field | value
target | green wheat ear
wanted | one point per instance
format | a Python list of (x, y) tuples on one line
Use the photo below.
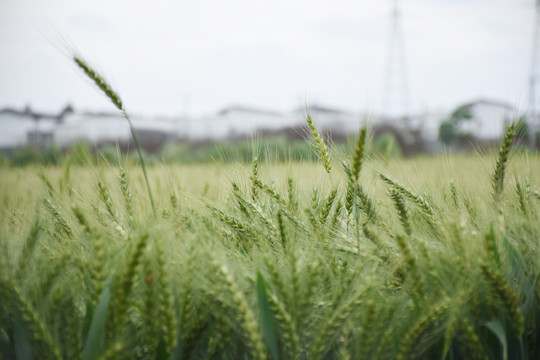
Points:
[(359, 154), (319, 143), (115, 98), (500, 168), (100, 82)]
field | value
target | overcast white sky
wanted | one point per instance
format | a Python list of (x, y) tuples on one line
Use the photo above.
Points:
[(177, 56)]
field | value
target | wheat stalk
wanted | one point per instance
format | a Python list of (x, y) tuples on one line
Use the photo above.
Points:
[(104, 86)]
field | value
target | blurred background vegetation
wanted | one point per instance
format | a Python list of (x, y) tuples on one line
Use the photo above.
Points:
[(272, 149)]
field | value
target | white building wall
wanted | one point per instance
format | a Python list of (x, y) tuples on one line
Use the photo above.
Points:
[(92, 129), (14, 129), (488, 121)]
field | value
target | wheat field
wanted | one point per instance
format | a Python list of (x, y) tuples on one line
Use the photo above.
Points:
[(420, 258), (358, 257)]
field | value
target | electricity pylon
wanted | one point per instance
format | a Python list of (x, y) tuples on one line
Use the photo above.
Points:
[(396, 87)]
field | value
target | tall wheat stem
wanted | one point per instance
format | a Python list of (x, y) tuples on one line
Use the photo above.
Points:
[(113, 96), (132, 129)]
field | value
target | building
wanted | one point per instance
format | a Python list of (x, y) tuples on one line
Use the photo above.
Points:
[(488, 119), (20, 128), (485, 121)]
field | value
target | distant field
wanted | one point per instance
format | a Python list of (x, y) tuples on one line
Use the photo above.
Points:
[(432, 174), (430, 258)]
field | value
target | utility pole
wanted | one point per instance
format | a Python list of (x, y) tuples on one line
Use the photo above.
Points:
[(534, 79), (396, 87), (186, 99)]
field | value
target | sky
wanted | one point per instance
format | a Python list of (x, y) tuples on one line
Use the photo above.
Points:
[(179, 57)]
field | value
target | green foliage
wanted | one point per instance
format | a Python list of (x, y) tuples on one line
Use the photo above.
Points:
[(267, 322), (461, 113), (109, 154), (387, 146), (449, 130), (272, 149), (81, 154), (276, 149), (94, 341), (50, 155)]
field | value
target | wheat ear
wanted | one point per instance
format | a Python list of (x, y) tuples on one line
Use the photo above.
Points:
[(359, 154), (412, 340), (115, 98), (509, 298), (401, 210), (319, 143), (498, 177)]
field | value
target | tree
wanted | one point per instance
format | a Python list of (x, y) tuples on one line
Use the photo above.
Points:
[(449, 130)]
